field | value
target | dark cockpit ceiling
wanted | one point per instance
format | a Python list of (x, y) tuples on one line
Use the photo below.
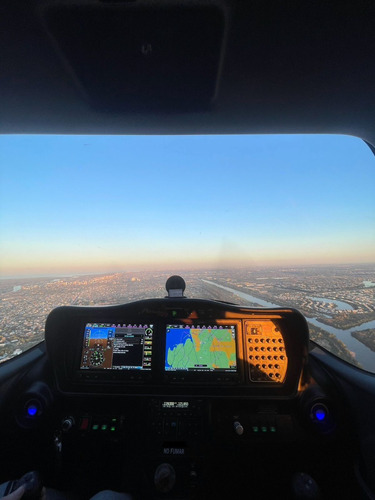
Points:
[(275, 67)]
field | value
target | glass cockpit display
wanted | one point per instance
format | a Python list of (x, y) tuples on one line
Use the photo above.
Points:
[(117, 346), (201, 348)]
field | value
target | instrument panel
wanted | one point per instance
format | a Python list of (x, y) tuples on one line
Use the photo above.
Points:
[(190, 383), (173, 346)]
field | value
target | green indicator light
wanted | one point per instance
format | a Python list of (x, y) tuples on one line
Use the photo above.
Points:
[(255, 428), (104, 427), (174, 313), (273, 429), (113, 429), (95, 427), (264, 429), (114, 419)]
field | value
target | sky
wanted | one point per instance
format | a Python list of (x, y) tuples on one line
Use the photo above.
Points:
[(76, 204)]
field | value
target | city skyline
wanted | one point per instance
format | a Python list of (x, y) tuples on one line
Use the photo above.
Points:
[(93, 204)]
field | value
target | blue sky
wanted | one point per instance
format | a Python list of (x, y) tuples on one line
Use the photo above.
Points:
[(101, 204)]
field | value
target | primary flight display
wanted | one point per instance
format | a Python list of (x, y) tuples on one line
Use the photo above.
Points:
[(118, 346)]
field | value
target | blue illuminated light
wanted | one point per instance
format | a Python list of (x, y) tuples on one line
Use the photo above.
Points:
[(320, 414), (32, 410)]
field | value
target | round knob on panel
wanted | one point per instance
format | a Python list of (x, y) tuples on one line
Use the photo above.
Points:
[(304, 487), (164, 478), (67, 424), (238, 429)]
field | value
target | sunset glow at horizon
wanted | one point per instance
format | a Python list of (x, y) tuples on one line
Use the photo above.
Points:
[(104, 204)]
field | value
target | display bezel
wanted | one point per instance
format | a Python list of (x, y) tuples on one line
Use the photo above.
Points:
[(206, 375), (87, 349), (107, 375)]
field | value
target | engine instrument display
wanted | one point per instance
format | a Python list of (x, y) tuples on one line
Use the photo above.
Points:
[(201, 348), (117, 347)]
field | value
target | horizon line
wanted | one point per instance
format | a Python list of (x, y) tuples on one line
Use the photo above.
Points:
[(225, 268)]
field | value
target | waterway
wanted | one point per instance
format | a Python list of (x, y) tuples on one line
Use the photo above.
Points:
[(16, 288), (246, 296), (343, 306), (363, 354)]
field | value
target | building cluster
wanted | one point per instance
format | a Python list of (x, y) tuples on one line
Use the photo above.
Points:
[(318, 292)]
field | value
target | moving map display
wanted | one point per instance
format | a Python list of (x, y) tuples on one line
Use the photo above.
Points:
[(200, 348)]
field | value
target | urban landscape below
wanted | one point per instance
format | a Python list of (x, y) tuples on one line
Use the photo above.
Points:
[(337, 301)]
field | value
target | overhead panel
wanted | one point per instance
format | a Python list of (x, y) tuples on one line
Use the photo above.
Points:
[(128, 59)]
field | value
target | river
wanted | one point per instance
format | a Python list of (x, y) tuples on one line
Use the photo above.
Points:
[(364, 355)]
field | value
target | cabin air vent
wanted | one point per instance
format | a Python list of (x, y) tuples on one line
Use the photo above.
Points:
[(318, 411), (33, 404)]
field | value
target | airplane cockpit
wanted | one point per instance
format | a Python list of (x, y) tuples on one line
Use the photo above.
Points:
[(181, 396)]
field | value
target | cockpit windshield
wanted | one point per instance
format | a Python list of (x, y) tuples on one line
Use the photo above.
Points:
[(261, 221)]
